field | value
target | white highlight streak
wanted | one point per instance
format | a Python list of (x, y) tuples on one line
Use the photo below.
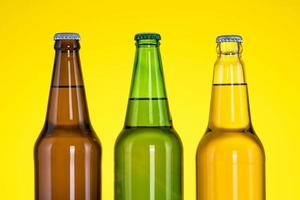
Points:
[(72, 172), (152, 172), (87, 172), (235, 193), (70, 89)]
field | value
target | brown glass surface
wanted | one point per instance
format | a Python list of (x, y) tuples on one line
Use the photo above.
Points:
[(67, 153)]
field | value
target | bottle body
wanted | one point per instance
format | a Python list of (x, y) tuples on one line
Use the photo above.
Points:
[(230, 165), (67, 163), (148, 164), (67, 153), (148, 151), (230, 160)]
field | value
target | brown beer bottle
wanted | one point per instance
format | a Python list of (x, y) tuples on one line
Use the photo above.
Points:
[(67, 153)]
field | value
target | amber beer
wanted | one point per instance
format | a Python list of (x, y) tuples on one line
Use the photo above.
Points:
[(67, 153)]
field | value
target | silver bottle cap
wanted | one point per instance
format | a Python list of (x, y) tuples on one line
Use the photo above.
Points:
[(229, 38), (66, 36)]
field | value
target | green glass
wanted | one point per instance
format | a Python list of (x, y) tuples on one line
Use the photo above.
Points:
[(148, 151)]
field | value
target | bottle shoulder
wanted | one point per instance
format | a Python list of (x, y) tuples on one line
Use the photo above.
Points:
[(227, 143), (67, 136), (148, 136)]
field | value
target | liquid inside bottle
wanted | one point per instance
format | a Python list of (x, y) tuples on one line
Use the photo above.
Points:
[(148, 151), (230, 156), (67, 153)]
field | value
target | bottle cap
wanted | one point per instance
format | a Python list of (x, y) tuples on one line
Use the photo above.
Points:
[(145, 36), (66, 36), (229, 38)]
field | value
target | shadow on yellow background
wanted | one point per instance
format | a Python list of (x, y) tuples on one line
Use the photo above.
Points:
[(271, 40)]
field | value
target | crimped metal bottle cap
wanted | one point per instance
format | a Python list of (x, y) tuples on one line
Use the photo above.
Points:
[(66, 36), (145, 36), (229, 38)]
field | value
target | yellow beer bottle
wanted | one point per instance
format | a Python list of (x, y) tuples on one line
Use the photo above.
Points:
[(230, 157)]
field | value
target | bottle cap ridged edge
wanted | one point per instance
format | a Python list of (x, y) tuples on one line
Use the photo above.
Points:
[(229, 38), (66, 36), (145, 36)]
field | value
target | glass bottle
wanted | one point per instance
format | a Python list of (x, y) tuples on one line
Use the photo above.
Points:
[(230, 157), (148, 151), (67, 153)]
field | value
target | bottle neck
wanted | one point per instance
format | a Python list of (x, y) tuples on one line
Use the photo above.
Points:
[(229, 101), (67, 102), (148, 104)]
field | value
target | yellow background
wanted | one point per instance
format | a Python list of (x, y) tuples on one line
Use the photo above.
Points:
[(271, 52)]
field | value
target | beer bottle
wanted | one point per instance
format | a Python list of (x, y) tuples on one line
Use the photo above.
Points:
[(67, 153), (230, 156), (148, 152)]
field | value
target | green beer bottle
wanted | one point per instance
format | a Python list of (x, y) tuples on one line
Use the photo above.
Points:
[(148, 151)]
